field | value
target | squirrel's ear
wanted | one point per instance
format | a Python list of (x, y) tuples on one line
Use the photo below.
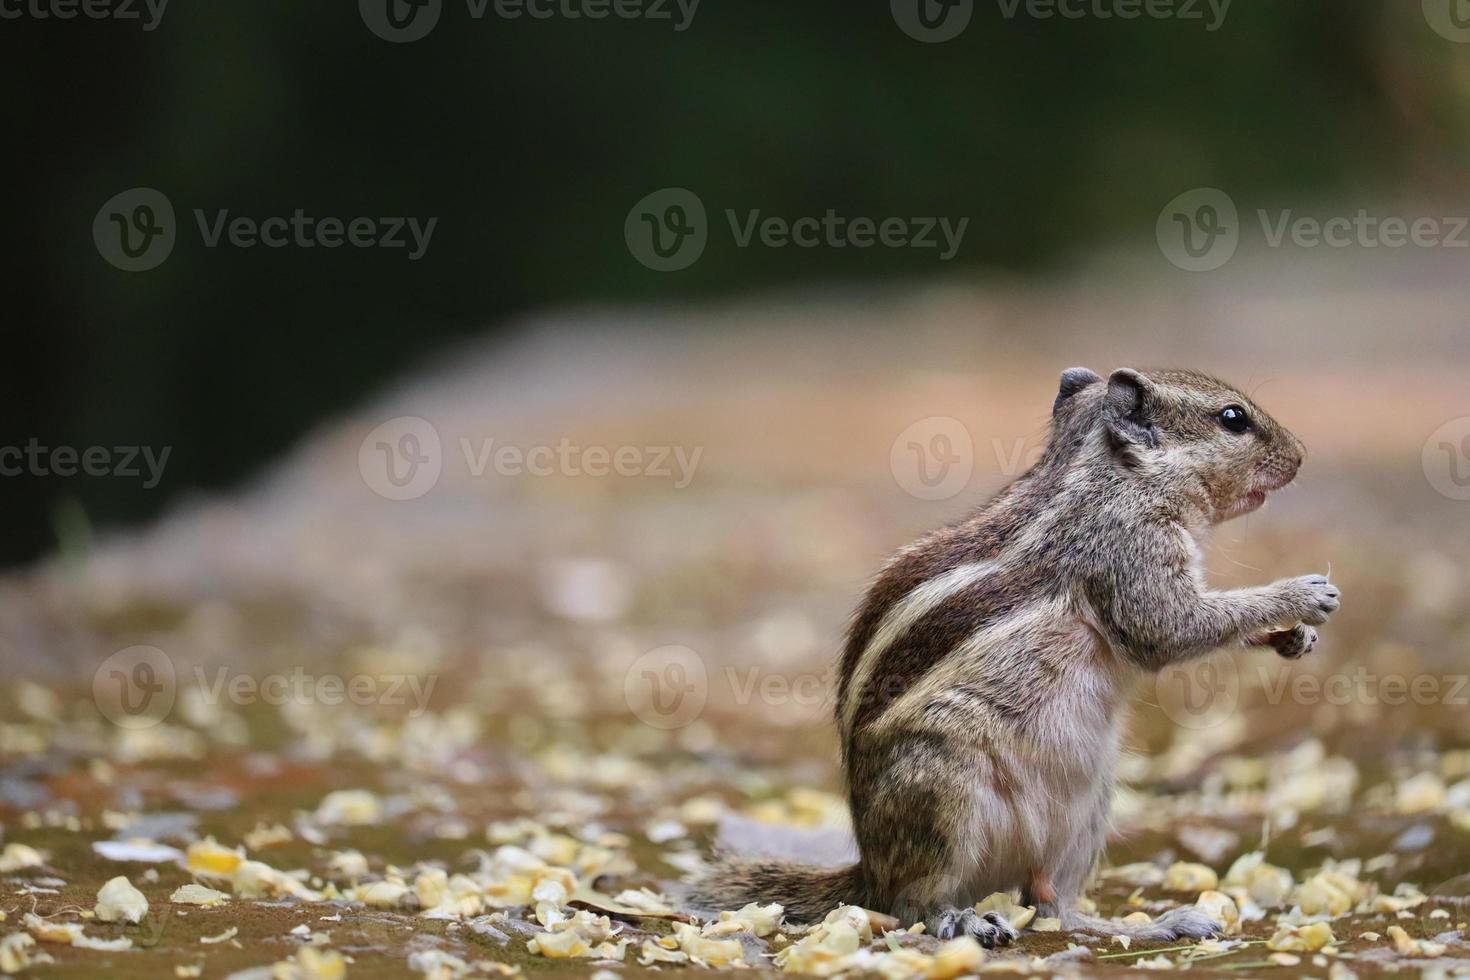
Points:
[(1073, 381), (1127, 407)]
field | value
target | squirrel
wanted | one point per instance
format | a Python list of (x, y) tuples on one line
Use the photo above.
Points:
[(983, 686)]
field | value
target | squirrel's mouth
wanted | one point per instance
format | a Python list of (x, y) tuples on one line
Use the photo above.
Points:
[(1250, 501), (1256, 496), (1245, 504)]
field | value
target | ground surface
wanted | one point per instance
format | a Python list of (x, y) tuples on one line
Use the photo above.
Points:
[(525, 725)]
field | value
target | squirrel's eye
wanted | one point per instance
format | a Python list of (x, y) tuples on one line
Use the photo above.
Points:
[(1234, 419)]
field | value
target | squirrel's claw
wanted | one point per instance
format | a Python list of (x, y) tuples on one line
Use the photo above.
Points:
[(989, 930)]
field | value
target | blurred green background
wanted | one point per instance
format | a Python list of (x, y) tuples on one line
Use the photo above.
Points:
[(529, 140)]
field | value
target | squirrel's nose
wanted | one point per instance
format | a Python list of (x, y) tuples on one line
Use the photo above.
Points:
[(1298, 454), (1292, 456)]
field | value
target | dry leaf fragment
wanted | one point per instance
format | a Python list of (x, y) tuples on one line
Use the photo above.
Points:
[(17, 857), (262, 836), (1423, 793), (1406, 945), (651, 953), (310, 963), (209, 858), (17, 953), (1267, 884), (711, 952), (1019, 916), (1222, 909), (137, 850), (348, 864), (350, 808), (119, 901), (1301, 939), (193, 894), (47, 931), (761, 920), (103, 945), (382, 894), (1185, 876)]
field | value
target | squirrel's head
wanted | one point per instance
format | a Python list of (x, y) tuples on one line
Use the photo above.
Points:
[(1188, 431)]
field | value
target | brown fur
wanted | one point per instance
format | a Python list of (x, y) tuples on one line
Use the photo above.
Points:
[(985, 673)]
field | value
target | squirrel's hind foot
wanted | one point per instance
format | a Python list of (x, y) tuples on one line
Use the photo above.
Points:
[(989, 930)]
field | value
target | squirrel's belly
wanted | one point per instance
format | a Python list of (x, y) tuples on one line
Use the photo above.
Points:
[(1027, 824), (1037, 676)]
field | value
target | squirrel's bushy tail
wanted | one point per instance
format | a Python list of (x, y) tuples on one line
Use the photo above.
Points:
[(806, 891)]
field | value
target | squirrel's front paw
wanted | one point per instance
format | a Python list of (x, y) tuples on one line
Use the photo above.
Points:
[(1311, 598), (1293, 643)]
